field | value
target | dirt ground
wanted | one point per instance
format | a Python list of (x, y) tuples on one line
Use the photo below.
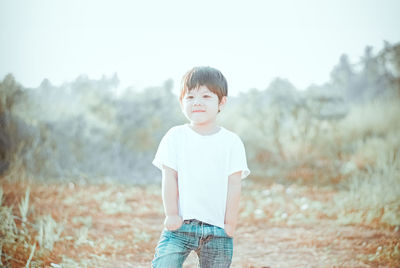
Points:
[(119, 226)]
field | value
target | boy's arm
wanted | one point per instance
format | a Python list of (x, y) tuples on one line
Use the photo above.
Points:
[(232, 202), (170, 195)]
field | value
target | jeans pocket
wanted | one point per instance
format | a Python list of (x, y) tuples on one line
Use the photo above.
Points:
[(227, 234), (223, 232)]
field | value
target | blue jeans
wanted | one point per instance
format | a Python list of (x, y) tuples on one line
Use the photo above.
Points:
[(212, 245)]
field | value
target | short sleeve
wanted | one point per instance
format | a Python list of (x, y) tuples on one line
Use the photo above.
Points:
[(237, 158), (166, 153)]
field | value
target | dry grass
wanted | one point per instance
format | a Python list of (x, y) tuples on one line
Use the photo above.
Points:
[(74, 226), (373, 194)]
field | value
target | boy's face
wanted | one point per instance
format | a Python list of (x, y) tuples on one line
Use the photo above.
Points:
[(200, 105)]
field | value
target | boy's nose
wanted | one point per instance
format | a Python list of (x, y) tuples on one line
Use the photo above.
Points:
[(196, 101)]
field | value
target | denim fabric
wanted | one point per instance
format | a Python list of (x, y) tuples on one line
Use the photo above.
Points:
[(212, 245)]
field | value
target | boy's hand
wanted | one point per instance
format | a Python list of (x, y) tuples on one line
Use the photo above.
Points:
[(173, 222), (229, 229)]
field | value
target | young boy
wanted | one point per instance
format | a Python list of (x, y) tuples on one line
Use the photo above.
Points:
[(202, 166)]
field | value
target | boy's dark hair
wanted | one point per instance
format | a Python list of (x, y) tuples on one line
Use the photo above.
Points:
[(207, 76)]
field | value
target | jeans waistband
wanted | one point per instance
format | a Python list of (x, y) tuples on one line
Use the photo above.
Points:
[(196, 221)]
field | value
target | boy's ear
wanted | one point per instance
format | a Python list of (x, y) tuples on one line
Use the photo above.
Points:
[(222, 103)]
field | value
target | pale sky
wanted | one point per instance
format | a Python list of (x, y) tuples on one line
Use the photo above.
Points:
[(147, 42)]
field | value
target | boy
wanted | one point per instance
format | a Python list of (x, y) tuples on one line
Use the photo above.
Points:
[(202, 166)]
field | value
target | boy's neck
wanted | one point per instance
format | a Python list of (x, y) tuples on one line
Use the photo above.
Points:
[(207, 129)]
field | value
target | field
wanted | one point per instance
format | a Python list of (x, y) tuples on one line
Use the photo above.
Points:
[(323, 191), (111, 225)]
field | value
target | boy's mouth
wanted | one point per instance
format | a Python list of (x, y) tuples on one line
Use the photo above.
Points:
[(198, 111)]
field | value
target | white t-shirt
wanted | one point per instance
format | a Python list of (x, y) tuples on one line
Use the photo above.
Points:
[(203, 164)]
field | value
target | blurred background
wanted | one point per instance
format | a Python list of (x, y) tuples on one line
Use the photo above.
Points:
[(88, 89)]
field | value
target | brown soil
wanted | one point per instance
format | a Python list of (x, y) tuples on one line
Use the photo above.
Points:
[(123, 225)]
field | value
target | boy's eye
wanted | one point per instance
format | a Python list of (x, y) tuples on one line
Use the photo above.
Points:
[(206, 96), (189, 97)]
